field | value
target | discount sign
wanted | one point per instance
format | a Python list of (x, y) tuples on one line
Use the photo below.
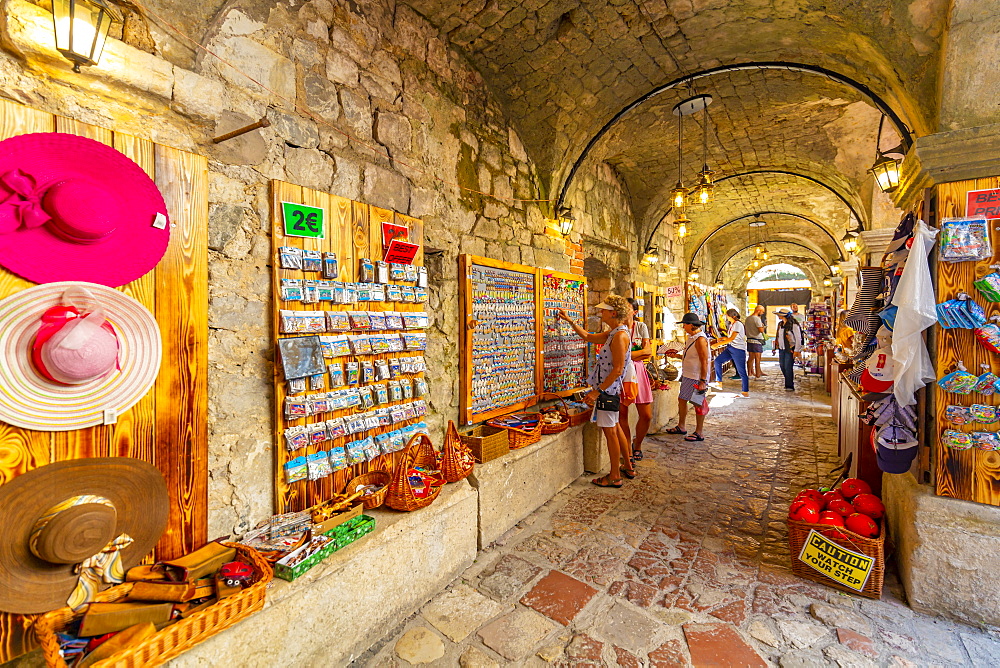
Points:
[(302, 221)]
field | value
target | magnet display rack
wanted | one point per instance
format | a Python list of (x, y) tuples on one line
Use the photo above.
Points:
[(353, 231), (501, 343), (564, 353)]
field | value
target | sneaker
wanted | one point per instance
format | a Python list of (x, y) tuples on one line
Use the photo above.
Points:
[(789, 389)]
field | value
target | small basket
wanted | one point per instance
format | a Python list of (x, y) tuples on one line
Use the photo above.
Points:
[(487, 442), (562, 409), (520, 438), (371, 478), (418, 452), (579, 417), (798, 532), (174, 639), (456, 460)]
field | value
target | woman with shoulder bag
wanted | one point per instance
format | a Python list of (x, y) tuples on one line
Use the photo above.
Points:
[(606, 379), (643, 396)]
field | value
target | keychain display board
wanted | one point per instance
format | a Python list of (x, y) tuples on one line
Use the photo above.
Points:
[(354, 349), (501, 342), (972, 475), (168, 426), (564, 353)]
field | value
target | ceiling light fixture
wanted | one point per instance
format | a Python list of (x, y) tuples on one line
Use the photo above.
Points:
[(757, 222), (827, 281), (651, 256), (886, 169), (850, 239), (81, 28), (703, 191), (679, 195), (682, 222)]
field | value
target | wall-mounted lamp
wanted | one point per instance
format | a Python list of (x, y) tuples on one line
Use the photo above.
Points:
[(835, 268), (81, 28), (719, 285), (651, 256), (566, 221), (694, 275), (850, 240), (886, 169), (827, 281)]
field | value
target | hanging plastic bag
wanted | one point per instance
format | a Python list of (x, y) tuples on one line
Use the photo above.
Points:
[(965, 239), (630, 385)]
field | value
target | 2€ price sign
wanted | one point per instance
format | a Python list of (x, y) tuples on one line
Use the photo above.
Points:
[(302, 220), (849, 568)]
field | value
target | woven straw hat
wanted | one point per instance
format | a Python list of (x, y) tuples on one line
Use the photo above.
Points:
[(101, 498), (74, 209), (31, 400)]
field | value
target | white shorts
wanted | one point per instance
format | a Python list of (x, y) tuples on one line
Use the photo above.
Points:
[(606, 418)]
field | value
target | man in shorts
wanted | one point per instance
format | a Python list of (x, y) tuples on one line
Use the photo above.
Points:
[(755, 328)]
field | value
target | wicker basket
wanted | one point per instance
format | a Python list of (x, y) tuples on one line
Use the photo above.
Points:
[(418, 452), (562, 409), (487, 442), (174, 639), (798, 532), (371, 478), (520, 438), (456, 460)]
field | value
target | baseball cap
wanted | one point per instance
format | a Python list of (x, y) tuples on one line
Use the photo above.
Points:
[(879, 371), (896, 447)]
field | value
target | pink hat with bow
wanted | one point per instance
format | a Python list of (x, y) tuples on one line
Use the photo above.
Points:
[(74, 209)]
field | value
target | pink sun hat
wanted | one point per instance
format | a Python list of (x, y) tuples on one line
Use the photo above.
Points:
[(74, 209)]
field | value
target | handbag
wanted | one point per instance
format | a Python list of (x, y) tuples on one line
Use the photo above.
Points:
[(630, 384), (608, 402)]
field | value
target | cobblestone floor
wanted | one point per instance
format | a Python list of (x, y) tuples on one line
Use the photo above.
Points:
[(685, 565)]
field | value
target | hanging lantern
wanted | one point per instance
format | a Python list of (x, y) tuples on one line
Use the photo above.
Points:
[(678, 196), (719, 285), (694, 275), (886, 171), (681, 224), (81, 28), (749, 273), (703, 191), (827, 282), (850, 240), (566, 221), (651, 256)]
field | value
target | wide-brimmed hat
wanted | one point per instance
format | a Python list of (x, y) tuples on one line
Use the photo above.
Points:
[(101, 369), (692, 318), (105, 512), (74, 209)]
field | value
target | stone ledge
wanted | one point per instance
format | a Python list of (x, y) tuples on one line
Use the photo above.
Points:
[(513, 486), (357, 595), (948, 551)]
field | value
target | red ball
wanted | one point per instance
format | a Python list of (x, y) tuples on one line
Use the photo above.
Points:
[(870, 505), (831, 518), (832, 495), (851, 487), (811, 494), (841, 507), (862, 525), (804, 510)]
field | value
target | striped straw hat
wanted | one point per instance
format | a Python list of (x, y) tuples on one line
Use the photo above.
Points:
[(33, 400)]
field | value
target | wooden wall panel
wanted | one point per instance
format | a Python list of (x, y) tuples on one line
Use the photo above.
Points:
[(973, 475), (167, 427)]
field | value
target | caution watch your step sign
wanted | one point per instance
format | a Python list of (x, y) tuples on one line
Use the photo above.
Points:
[(847, 567)]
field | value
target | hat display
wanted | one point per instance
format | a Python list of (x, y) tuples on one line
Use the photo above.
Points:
[(69, 525), (878, 374), (896, 447), (692, 318), (74, 355), (74, 209)]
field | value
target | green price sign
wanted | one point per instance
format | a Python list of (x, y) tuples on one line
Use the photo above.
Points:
[(302, 221)]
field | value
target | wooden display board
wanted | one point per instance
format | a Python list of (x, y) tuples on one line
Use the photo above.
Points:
[(499, 320), (973, 475), (353, 231), (564, 353), (167, 427)]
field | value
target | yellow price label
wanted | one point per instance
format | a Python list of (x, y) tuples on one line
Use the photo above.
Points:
[(849, 568)]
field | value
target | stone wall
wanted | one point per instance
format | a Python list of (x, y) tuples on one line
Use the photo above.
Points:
[(369, 104)]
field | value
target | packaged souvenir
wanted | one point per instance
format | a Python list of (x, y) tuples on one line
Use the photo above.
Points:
[(367, 399), (965, 239), (986, 381), (337, 400), (377, 292), (379, 344), (420, 295), (377, 320), (326, 343), (393, 320), (384, 417), (312, 260), (337, 321), (419, 387), (366, 271), (371, 420), (419, 364), (408, 432), (986, 440), (393, 293), (407, 390), (336, 427), (296, 407), (289, 257), (414, 340), (318, 433), (353, 396), (338, 458), (331, 269), (319, 404), (351, 292), (318, 465), (340, 346), (296, 437), (384, 443), (959, 381), (381, 272), (422, 279), (957, 415), (407, 295), (395, 367), (360, 344), (956, 440), (395, 391), (397, 271), (317, 382), (296, 385), (411, 273), (398, 442), (961, 312), (353, 373), (989, 335), (356, 452), (371, 450), (336, 371), (339, 293), (381, 395), (325, 289), (291, 289), (398, 415), (414, 320), (359, 320), (367, 372), (421, 428), (296, 470), (989, 285), (394, 342), (983, 413), (315, 321), (420, 407), (310, 292), (382, 370), (289, 322)]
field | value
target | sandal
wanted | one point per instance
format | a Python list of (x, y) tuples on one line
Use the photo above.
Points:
[(675, 430), (694, 436), (628, 473), (606, 481), (637, 455)]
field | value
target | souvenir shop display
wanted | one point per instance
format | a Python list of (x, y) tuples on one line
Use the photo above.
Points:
[(819, 323), (565, 353), (500, 361), (350, 389)]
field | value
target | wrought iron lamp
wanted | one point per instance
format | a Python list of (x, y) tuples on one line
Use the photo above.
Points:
[(81, 28), (886, 169), (566, 221)]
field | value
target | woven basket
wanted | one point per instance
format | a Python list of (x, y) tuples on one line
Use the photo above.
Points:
[(487, 442), (520, 438), (174, 639), (798, 532), (456, 460), (371, 478), (563, 410), (418, 452)]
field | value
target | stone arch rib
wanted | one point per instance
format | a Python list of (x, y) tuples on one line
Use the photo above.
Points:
[(729, 259)]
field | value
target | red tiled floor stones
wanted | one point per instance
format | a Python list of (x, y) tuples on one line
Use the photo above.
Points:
[(559, 597)]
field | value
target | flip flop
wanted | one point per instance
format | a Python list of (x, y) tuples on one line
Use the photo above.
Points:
[(605, 481), (694, 436), (675, 430)]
